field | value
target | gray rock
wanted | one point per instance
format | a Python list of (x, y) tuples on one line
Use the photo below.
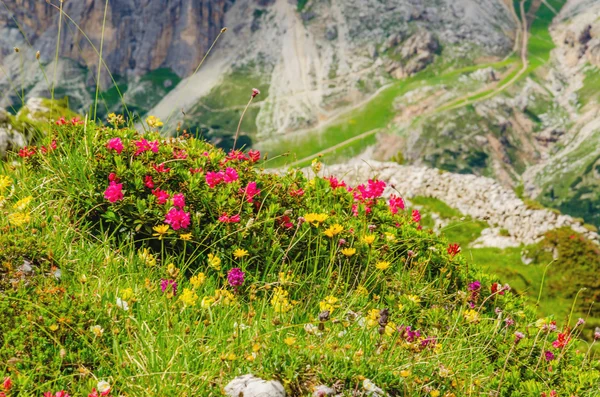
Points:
[(252, 386)]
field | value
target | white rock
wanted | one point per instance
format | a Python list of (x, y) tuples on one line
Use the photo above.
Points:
[(252, 386)]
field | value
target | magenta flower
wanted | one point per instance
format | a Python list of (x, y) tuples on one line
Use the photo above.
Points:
[(475, 286), (231, 175), (166, 284), (250, 191), (161, 195), (235, 277), (229, 219), (416, 216), (396, 203), (549, 355), (334, 183), (179, 200), (143, 146), (115, 144), (580, 321), (597, 334), (114, 192), (509, 322), (214, 178), (178, 219)]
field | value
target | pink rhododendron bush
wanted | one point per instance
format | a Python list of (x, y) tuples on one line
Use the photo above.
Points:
[(139, 265)]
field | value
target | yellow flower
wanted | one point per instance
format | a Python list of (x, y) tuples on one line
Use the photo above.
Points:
[(369, 239), (362, 291), (115, 120), (53, 327), (172, 271), (315, 219), (207, 302), (373, 318), (390, 236), (251, 357), (434, 393), (147, 257), (160, 230), (5, 182), (19, 219), (240, 253), (186, 236), (333, 230), (413, 299), (405, 373), (214, 261), (127, 294), (225, 297), (390, 328), (279, 301), (153, 122), (23, 203), (328, 304), (316, 165), (383, 265), (471, 316), (188, 297), (289, 341), (348, 251), (197, 280), (256, 347), (285, 277)]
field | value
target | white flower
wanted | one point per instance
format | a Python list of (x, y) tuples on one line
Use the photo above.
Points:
[(342, 333), (312, 329), (103, 387), (372, 387), (122, 304), (97, 330)]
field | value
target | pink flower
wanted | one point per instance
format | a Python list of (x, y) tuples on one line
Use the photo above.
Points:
[(250, 191), (416, 216), (214, 178), (61, 121), (143, 145), (178, 219), (179, 200), (168, 284), (396, 203), (76, 121), (255, 92), (179, 154), (254, 155), (114, 192), (235, 277), (231, 175), (518, 337), (112, 177), (148, 182), (61, 393), (235, 155), (115, 144), (160, 168), (297, 193), (229, 219), (334, 183), (161, 195)]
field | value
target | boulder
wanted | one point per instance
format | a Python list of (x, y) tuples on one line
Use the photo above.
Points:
[(252, 386)]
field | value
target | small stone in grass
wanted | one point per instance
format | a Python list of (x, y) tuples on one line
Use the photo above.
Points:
[(251, 386)]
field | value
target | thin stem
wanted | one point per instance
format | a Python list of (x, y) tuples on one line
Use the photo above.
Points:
[(100, 60), (60, 9), (237, 132)]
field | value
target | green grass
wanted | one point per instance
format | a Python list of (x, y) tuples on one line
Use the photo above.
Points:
[(199, 337), (431, 204)]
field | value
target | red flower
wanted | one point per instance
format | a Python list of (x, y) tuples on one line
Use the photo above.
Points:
[(229, 219), (453, 250), (76, 121), (61, 121), (7, 384), (297, 193), (160, 168), (194, 171), (27, 151), (161, 195), (180, 154), (214, 178), (254, 155), (563, 339), (148, 182), (334, 183)]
